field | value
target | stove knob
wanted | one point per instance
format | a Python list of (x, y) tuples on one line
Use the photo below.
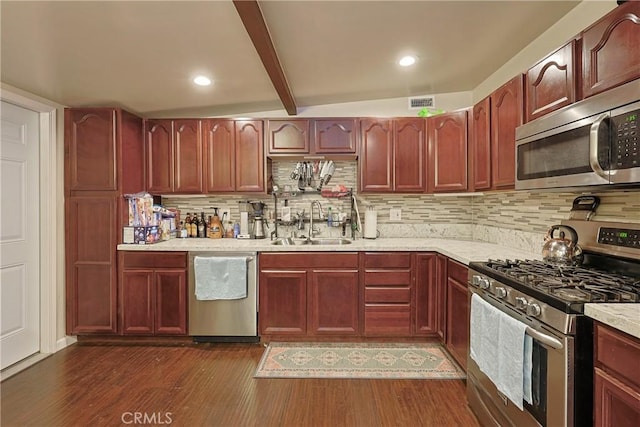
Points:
[(501, 292), (521, 303), (533, 310), (483, 283), (475, 280)]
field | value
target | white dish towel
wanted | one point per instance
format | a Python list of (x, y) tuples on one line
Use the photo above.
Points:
[(220, 278), (497, 345)]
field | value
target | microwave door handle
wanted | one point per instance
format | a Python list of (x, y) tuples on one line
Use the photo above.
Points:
[(593, 147)]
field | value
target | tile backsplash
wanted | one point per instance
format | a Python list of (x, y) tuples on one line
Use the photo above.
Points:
[(516, 218)]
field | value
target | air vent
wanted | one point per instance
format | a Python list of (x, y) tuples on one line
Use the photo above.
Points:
[(419, 102)]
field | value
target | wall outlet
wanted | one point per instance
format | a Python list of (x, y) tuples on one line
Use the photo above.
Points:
[(224, 214), (395, 214)]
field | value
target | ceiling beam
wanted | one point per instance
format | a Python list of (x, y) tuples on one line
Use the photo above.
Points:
[(253, 21)]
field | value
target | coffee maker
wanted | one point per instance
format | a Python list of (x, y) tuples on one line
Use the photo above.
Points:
[(259, 221)]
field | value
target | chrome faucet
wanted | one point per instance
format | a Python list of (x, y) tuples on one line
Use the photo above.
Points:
[(320, 216)]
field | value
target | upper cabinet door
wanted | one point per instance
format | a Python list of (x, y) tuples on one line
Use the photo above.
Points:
[(480, 146), (335, 136), (90, 147), (506, 116), (610, 50), (376, 155), (159, 154), (288, 136), (409, 155), (249, 156), (187, 156), (551, 83), (220, 155), (448, 152)]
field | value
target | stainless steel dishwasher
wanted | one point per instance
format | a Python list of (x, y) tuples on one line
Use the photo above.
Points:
[(225, 320)]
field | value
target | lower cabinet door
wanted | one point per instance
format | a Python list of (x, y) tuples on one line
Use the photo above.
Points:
[(333, 302), (283, 303), (136, 301), (457, 321), (387, 319), (616, 404), (170, 302)]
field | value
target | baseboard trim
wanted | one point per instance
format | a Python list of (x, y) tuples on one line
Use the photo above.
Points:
[(65, 342)]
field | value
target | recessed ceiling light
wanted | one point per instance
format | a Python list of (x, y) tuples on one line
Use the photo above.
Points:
[(407, 61), (202, 81)]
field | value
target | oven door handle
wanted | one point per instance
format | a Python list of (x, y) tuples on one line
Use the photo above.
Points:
[(552, 342)]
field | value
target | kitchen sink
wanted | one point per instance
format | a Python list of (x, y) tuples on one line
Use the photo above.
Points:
[(288, 241), (330, 241)]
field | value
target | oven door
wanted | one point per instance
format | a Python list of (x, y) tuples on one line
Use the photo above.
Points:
[(572, 155), (551, 381)]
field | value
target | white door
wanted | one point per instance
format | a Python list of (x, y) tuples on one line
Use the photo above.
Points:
[(19, 234)]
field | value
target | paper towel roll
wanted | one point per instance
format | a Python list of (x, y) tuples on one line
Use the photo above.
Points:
[(370, 224), (244, 223)]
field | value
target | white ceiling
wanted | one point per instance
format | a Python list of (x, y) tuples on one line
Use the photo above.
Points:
[(142, 55)]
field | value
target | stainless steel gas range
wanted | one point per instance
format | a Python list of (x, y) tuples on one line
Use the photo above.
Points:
[(549, 298)]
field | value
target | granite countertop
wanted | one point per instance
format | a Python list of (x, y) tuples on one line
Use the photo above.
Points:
[(624, 317), (463, 251)]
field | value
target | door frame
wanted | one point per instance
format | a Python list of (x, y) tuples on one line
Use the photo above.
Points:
[(51, 256)]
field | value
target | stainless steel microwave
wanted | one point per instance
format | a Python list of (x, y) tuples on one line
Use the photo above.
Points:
[(592, 142)]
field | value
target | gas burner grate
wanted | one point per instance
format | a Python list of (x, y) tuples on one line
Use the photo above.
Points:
[(570, 283)]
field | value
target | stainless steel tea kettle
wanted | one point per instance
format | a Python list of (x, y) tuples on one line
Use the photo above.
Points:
[(561, 249)]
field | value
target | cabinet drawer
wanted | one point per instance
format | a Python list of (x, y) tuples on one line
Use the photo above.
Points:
[(387, 278), (153, 259), (387, 260), (457, 271), (387, 295), (618, 353), (309, 260), (387, 319)]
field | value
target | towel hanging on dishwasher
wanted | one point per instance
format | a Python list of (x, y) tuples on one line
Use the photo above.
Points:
[(220, 278)]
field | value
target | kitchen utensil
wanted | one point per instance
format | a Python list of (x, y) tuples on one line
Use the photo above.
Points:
[(295, 174), (584, 207), (330, 171), (560, 249)]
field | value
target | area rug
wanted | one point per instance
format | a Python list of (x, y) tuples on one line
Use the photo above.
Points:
[(361, 360)]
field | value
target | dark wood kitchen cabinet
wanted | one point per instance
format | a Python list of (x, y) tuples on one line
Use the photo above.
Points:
[(303, 137), (427, 304), (506, 116), (458, 312), (333, 302), (387, 281), (447, 152), (610, 54), (153, 293), (441, 296), (480, 146), (233, 156), (174, 156), (288, 136), (310, 294), (335, 136), (392, 155), (552, 82), (104, 159), (91, 240), (616, 378)]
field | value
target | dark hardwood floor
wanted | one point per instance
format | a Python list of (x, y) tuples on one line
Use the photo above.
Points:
[(212, 385)]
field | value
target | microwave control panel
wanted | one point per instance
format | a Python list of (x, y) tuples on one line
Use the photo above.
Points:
[(625, 153), (626, 237)]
